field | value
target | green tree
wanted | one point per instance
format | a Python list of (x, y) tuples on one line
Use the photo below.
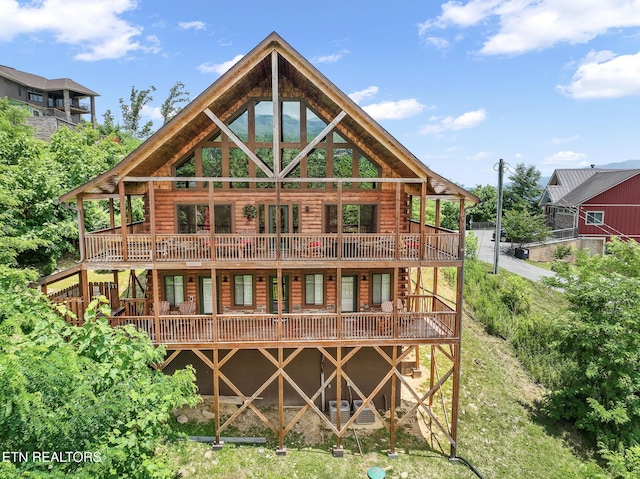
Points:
[(525, 227), (524, 190), (177, 95), (89, 388), (132, 112), (486, 210), (601, 342)]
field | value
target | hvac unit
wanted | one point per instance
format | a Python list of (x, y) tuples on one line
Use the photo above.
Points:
[(345, 412), (366, 416)]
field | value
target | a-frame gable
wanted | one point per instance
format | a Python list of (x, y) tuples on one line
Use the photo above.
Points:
[(272, 70)]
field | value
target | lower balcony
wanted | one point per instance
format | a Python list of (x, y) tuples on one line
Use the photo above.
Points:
[(266, 329)]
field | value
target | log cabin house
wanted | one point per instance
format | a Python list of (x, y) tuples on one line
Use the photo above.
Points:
[(282, 257)]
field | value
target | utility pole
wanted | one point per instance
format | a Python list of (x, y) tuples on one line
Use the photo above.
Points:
[(496, 246)]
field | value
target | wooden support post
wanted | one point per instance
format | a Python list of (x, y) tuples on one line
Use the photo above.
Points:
[(396, 254), (212, 225), (282, 450), (423, 220), (152, 219), (123, 220), (83, 280), (432, 372), (112, 214), (214, 305), (81, 227), (216, 398), (156, 306), (457, 347), (337, 450), (392, 413)]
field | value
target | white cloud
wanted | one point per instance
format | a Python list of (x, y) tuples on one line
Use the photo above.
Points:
[(526, 25), (151, 113), (394, 110), (369, 92), (196, 25), (566, 159), (560, 141), (604, 75), (438, 42), (74, 22), (482, 155), (218, 68), (334, 57), (466, 120)]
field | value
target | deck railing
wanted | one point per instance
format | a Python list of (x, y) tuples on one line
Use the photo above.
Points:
[(266, 328), (441, 246)]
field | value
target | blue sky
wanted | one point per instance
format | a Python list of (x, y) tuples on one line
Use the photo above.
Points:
[(550, 83)]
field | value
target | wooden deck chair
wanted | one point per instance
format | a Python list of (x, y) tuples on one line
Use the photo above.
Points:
[(187, 307), (402, 308), (163, 308)]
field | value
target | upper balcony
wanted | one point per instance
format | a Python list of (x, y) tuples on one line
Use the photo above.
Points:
[(102, 248)]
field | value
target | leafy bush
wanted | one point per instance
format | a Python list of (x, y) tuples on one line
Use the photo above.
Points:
[(561, 251), (83, 389), (602, 342)]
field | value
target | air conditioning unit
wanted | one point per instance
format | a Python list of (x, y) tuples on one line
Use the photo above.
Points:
[(366, 416), (345, 412)]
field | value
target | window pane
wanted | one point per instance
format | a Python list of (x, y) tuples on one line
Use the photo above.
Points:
[(223, 218), (264, 121), (314, 125), (367, 218), (248, 290), (212, 164), (366, 169), (240, 126), (309, 289), (238, 167), (290, 121), (188, 168), (186, 218), (317, 167), (179, 289), (314, 289), (350, 218), (381, 288), (238, 296), (319, 289)]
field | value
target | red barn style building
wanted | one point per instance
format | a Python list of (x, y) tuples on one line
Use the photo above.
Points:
[(596, 202)]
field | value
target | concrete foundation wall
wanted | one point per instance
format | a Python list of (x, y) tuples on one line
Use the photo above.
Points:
[(544, 252)]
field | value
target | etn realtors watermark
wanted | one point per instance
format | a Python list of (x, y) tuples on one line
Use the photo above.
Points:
[(50, 456)]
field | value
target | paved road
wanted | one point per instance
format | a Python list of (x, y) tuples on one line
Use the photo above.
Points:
[(486, 253)]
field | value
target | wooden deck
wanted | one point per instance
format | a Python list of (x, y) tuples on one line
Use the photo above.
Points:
[(108, 248), (266, 329)]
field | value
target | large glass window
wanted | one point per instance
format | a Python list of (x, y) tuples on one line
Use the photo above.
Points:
[(355, 218), (35, 95), (335, 156), (243, 290), (380, 288), (174, 289), (195, 218), (314, 289)]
